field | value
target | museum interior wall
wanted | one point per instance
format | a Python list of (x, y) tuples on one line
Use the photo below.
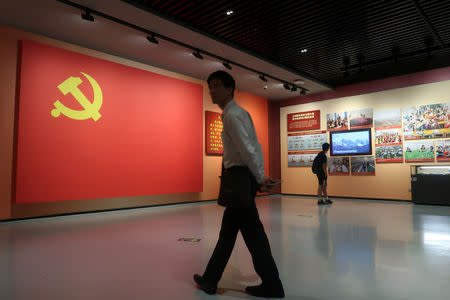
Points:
[(10, 50), (390, 180)]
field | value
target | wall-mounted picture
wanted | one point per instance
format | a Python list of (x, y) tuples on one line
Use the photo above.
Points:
[(391, 136), (300, 160), (351, 142), (426, 121), (443, 150), (364, 165), (337, 121), (362, 118), (306, 120), (388, 119), (339, 166), (306, 140), (417, 151), (389, 154)]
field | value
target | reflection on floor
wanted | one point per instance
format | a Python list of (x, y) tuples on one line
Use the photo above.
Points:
[(351, 249)]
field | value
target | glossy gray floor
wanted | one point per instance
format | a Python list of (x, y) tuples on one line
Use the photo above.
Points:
[(352, 249)]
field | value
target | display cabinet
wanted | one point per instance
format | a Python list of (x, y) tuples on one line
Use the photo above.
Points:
[(430, 184)]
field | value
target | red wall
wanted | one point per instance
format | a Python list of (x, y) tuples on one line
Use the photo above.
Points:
[(9, 50), (258, 109), (144, 123)]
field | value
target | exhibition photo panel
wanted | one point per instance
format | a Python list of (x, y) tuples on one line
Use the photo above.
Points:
[(388, 136), (362, 118), (426, 121), (363, 165), (339, 166), (337, 121), (419, 151), (443, 150)]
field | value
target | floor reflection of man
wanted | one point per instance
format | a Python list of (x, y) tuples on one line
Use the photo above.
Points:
[(322, 240)]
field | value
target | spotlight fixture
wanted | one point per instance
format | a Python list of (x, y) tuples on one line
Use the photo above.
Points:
[(87, 16), (287, 87), (304, 50), (197, 54), (152, 39), (265, 87), (294, 88), (227, 65), (298, 81), (263, 78), (230, 12), (303, 92)]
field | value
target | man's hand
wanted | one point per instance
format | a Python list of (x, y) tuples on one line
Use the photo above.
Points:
[(268, 184)]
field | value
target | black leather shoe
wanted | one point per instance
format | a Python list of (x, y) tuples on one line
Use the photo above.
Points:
[(205, 286), (266, 291)]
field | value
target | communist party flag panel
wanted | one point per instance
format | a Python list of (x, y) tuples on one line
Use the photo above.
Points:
[(90, 128)]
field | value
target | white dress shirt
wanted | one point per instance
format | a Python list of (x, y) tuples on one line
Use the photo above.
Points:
[(240, 143)]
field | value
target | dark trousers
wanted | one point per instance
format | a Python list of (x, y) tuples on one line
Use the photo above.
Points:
[(247, 221)]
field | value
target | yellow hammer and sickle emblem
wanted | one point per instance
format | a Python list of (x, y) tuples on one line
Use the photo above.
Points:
[(70, 85)]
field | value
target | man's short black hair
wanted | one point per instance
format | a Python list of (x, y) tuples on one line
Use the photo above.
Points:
[(226, 79), (325, 146)]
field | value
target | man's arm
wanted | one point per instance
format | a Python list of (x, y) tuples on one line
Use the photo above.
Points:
[(251, 152)]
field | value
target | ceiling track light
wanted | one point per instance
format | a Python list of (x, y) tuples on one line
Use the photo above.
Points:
[(197, 54), (299, 81), (152, 39), (227, 65), (294, 88), (87, 15), (303, 92)]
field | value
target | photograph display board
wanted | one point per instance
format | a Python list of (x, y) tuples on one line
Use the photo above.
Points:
[(392, 136), (389, 154), (417, 151), (296, 159), (386, 119), (426, 121), (306, 140), (362, 118), (338, 166), (307, 120), (213, 137), (363, 165), (337, 121), (388, 145), (443, 150)]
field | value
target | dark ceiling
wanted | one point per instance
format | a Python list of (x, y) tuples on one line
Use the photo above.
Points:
[(347, 41)]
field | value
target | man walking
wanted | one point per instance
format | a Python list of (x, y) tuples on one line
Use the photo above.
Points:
[(240, 149)]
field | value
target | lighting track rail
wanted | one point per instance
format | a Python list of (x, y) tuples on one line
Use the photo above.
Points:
[(154, 35)]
